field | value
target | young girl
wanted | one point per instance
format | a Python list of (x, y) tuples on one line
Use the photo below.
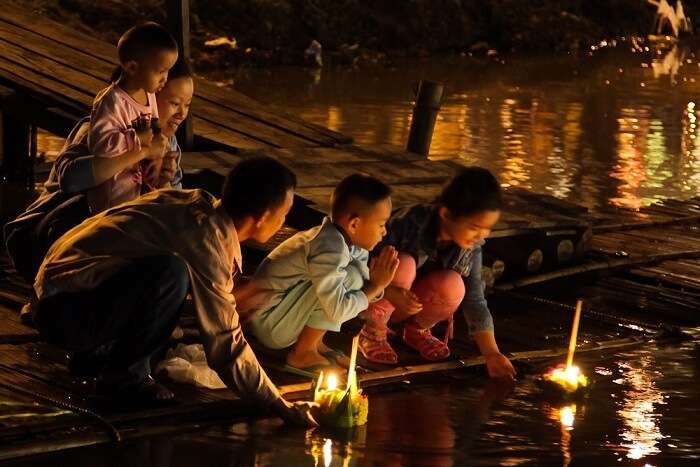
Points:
[(120, 122), (439, 248)]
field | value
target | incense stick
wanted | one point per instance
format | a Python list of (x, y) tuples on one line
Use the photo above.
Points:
[(352, 374), (574, 334)]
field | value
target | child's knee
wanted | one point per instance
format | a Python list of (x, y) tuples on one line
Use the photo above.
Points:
[(406, 272), (446, 284)]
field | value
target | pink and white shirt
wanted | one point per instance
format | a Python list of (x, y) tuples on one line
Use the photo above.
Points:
[(114, 115)]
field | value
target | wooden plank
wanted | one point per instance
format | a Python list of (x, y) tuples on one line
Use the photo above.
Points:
[(226, 136), (70, 68), (101, 56)]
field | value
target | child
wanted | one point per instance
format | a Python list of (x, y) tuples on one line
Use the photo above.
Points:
[(318, 279), (120, 122), (439, 248)]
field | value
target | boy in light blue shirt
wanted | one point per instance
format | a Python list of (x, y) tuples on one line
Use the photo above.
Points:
[(318, 279)]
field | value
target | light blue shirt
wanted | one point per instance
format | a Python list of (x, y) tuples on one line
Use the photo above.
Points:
[(320, 255)]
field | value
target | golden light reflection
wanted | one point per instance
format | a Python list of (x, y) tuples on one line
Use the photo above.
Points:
[(327, 453), (517, 161), (639, 408), (630, 167), (321, 450), (566, 417), (334, 119)]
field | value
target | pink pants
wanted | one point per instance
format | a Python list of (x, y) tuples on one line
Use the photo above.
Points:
[(440, 292)]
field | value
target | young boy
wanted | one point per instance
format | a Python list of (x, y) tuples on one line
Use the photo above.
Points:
[(318, 279), (439, 246)]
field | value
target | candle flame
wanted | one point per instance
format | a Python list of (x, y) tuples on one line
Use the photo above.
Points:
[(332, 382), (569, 377)]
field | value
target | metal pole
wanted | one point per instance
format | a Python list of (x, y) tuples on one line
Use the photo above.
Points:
[(425, 111), (179, 25)]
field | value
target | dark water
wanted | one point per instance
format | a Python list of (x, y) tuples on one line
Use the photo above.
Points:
[(643, 409), (615, 126)]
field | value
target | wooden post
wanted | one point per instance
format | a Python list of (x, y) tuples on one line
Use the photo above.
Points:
[(428, 99), (179, 25), (17, 144)]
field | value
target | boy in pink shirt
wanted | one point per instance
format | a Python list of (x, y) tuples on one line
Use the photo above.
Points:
[(123, 112)]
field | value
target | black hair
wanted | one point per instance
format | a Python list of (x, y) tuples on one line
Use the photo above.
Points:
[(181, 69), (357, 186), (255, 186), (471, 190), (141, 40)]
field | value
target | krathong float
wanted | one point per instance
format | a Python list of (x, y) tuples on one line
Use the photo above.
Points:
[(567, 380), (339, 407)]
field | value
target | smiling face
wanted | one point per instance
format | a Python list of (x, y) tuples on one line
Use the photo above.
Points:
[(150, 73), (174, 103), (466, 231)]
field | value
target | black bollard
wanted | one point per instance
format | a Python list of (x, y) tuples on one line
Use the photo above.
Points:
[(179, 24), (428, 100)]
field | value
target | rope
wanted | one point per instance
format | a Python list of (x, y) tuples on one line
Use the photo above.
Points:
[(628, 323), (114, 432)]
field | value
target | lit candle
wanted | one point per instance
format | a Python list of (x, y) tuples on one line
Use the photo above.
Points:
[(342, 407), (569, 377)]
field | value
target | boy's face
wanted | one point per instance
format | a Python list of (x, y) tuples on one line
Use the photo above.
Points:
[(273, 219), (466, 231), (152, 73), (367, 230)]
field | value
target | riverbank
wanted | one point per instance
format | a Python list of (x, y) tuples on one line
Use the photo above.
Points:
[(353, 32)]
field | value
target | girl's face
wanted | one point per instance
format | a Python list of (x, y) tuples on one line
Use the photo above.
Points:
[(466, 231), (174, 103), (151, 73)]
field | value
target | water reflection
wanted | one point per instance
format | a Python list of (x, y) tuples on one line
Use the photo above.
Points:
[(639, 408), (611, 128), (566, 416)]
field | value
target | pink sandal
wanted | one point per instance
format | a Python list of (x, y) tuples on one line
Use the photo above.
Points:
[(430, 347), (375, 347)]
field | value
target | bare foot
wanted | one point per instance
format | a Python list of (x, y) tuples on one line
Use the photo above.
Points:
[(342, 361), (305, 359)]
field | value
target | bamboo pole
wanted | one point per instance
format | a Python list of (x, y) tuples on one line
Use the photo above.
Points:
[(300, 390), (352, 371), (574, 334), (643, 224), (598, 266)]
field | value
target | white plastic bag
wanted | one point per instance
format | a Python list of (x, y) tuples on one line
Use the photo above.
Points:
[(188, 364)]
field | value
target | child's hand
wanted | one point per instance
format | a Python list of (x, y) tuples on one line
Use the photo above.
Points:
[(405, 301), (156, 147), (499, 366), (152, 165), (145, 137), (383, 267), (167, 169)]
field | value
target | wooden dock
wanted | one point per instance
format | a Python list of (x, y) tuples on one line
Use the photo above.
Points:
[(648, 297), (638, 270)]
